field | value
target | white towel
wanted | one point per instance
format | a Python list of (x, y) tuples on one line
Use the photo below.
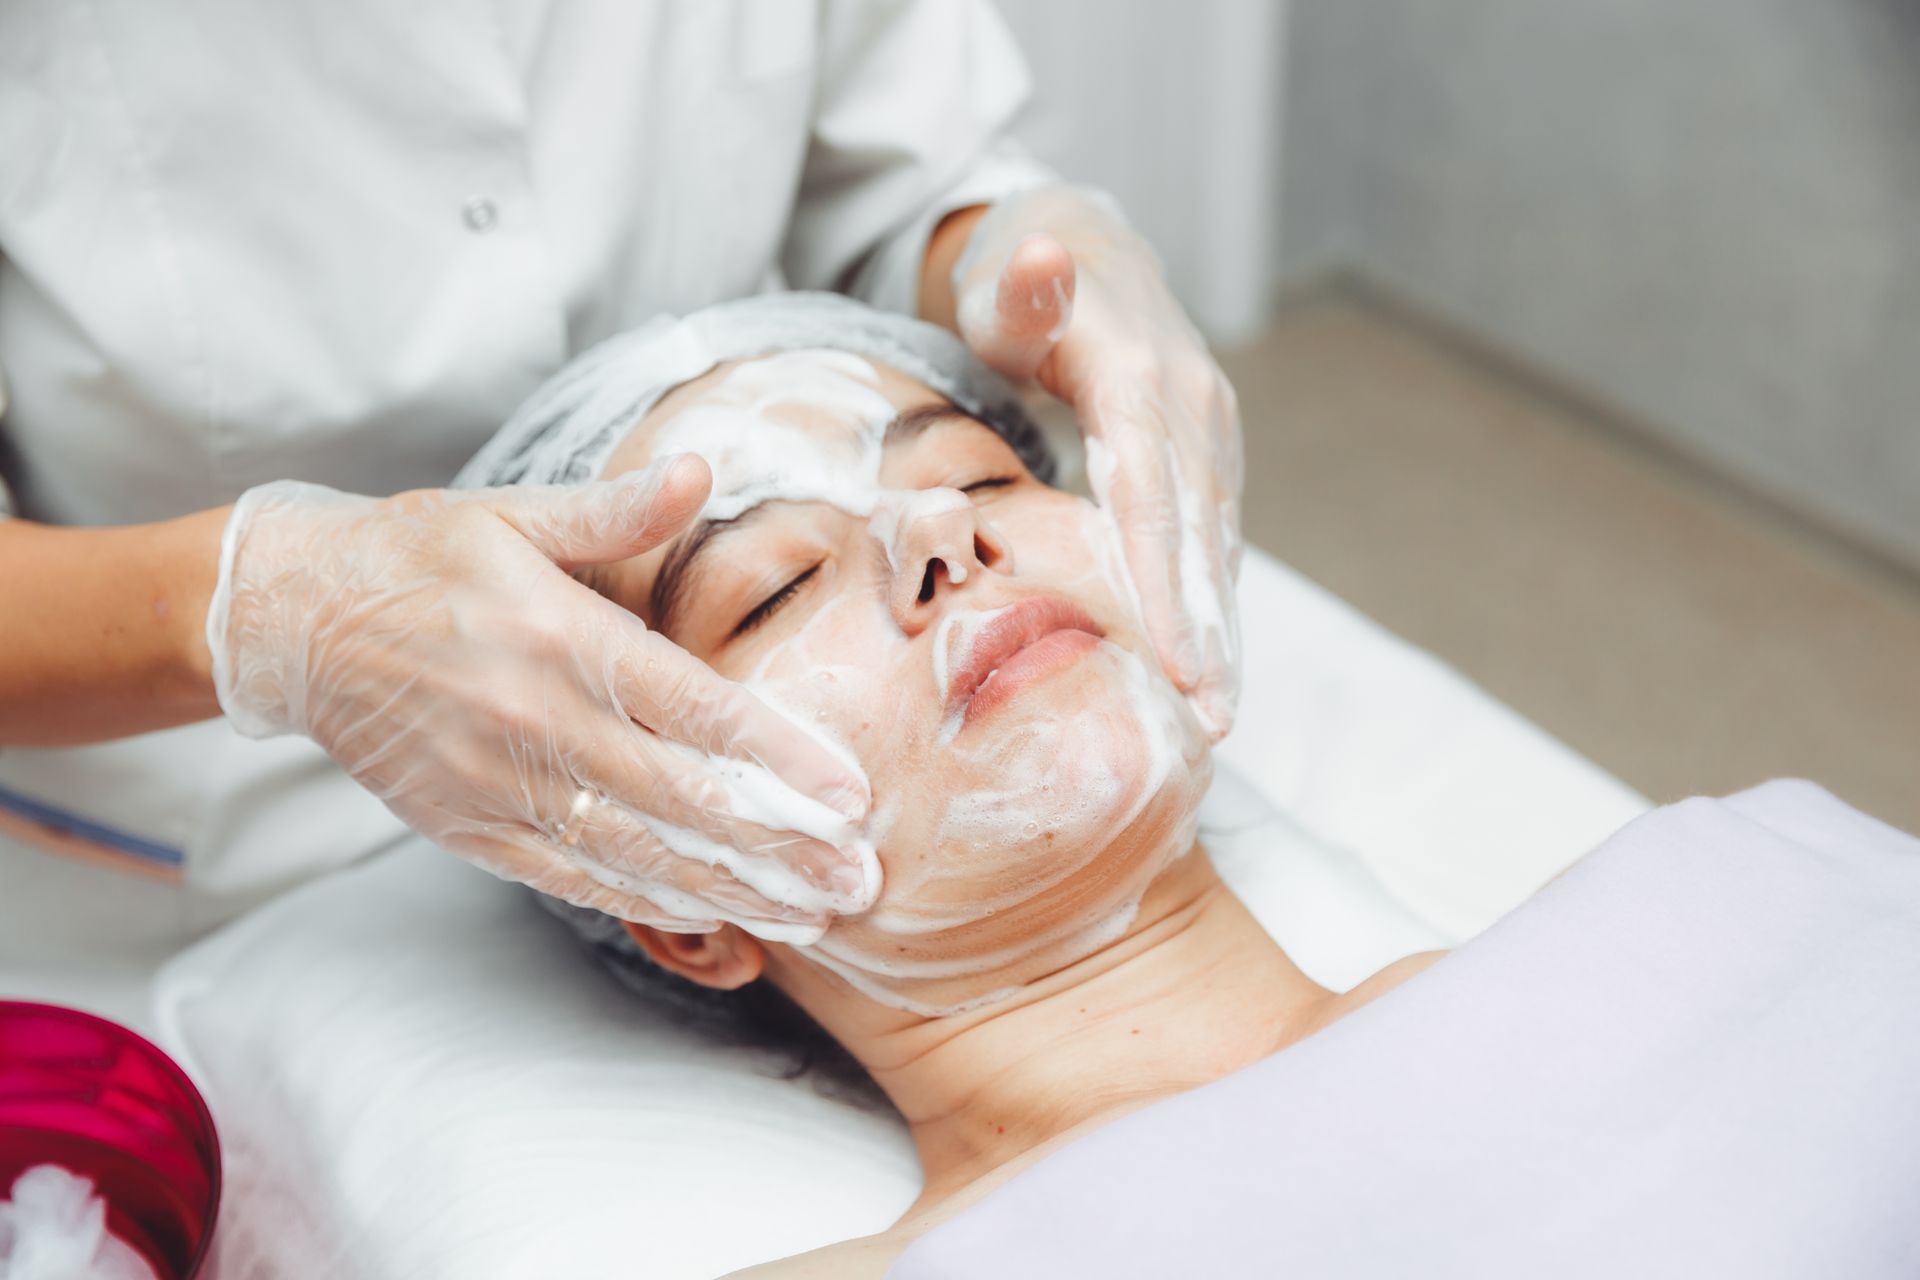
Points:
[(1695, 1054)]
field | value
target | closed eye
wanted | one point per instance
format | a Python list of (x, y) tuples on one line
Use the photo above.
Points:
[(772, 604), (993, 482)]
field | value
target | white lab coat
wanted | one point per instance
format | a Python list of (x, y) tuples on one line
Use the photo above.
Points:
[(242, 241)]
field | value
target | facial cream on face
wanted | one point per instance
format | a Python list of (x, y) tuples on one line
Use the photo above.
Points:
[(800, 426), (1031, 836), (1016, 842)]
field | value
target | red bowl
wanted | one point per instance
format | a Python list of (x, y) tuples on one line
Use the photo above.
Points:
[(90, 1095)]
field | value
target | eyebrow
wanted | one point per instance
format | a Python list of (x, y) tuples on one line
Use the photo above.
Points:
[(911, 422), (681, 569), (676, 571)]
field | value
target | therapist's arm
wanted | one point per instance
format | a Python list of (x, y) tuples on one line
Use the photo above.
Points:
[(102, 633), (436, 646)]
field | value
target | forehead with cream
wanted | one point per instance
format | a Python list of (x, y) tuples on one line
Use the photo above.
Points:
[(796, 426), (1010, 846)]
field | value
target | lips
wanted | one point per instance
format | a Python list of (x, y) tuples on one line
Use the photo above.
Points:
[(1025, 641)]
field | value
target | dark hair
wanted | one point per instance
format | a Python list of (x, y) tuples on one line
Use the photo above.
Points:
[(757, 1016)]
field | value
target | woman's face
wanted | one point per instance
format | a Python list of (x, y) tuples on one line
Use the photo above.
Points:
[(885, 570)]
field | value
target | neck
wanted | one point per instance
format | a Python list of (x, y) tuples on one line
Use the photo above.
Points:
[(1193, 991)]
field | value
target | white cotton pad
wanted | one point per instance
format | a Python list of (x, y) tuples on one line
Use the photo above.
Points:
[(53, 1227)]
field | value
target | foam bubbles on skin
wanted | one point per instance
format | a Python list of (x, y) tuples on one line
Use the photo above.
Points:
[(799, 426), (1090, 807), (1011, 871), (757, 795), (696, 914), (1035, 844)]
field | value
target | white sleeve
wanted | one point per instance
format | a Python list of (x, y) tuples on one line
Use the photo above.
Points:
[(909, 125)]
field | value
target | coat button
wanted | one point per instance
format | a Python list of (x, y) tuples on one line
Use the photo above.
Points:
[(480, 214)]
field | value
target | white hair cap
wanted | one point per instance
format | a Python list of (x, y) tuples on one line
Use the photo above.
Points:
[(567, 430)]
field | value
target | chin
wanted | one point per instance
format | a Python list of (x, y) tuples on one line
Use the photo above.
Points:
[(1080, 791)]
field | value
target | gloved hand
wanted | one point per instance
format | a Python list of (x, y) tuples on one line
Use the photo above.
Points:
[(435, 645), (1054, 285)]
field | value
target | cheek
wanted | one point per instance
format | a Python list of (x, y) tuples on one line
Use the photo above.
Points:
[(1061, 542), (1021, 846), (850, 676), (1034, 844), (1055, 778)]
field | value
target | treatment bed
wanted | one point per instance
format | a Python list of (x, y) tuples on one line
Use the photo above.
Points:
[(417, 1072)]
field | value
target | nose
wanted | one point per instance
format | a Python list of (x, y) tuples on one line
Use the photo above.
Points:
[(935, 542)]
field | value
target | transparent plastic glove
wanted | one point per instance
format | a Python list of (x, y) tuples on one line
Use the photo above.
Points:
[(435, 645), (1055, 286)]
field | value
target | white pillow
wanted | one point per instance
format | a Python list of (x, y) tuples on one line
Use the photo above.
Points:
[(1458, 804), (417, 1072)]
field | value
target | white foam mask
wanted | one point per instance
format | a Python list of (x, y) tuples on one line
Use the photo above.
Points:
[(799, 426), (1012, 845)]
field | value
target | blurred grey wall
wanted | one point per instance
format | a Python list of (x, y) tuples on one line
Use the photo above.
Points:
[(1706, 214)]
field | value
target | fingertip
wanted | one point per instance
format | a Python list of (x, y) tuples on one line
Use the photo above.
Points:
[(1183, 663), (803, 761), (790, 933), (1215, 711), (1013, 317), (858, 880), (1036, 291), (1041, 255), (685, 472), (1175, 638), (681, 483), (668, 494)]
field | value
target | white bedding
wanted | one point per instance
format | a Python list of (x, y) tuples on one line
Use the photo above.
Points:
[(416, 1072)]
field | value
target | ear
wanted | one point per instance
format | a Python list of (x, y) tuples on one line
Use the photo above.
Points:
[(726, 959)]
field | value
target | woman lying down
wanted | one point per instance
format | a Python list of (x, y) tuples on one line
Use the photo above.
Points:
[(1693, 1053)]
